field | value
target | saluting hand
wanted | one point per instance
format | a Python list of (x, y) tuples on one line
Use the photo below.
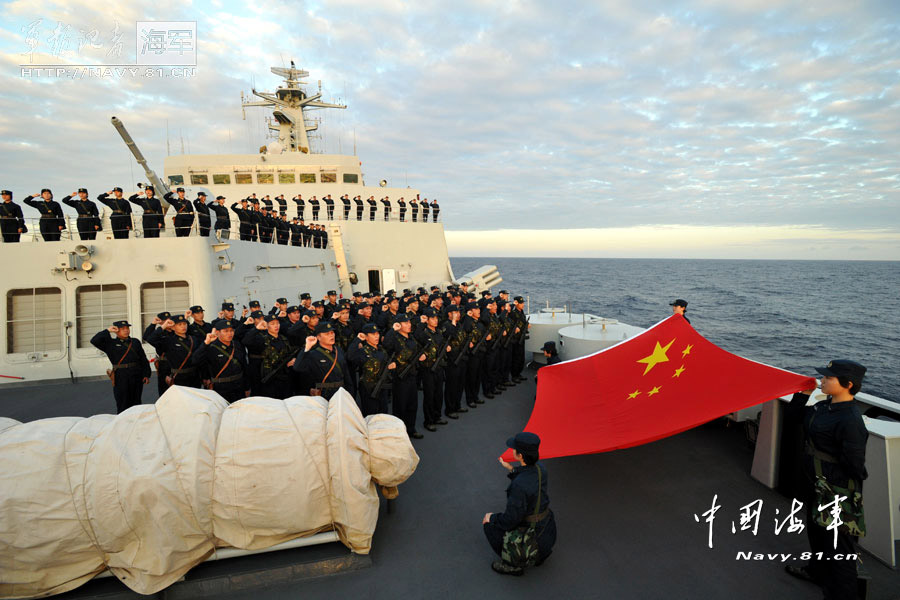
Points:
[(392, 366), (423, 318), (245, 312), (291, 362), (210, 337), (384, 307), (187, 314), (449, 349), (146, 380), (156, 321), (486, 519), (221, 314), (248, 321), (168, 324), (113, 329), (310, 342), (361, 336), (396, 326), (488, 338), (305, 318), (261, 325), (421, 358), (505, 464)]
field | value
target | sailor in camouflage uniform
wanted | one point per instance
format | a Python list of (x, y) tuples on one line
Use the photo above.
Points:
[(277, 357), (223, 361), (371, 362), (475, 331), (405, 350), (434, 349), (455, 370), (323, 363), (130, 368)]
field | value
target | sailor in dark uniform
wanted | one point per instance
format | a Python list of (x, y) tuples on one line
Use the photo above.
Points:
[(174, 340), (267, 203), (277, 354), (414, 209), (402, 204), (12, 222), (373, 207), (247, 228), (152, 219), (198, 327), (359, 207), (52, 220), (203, 219), (130, 369), (679, 307), (296, 232), (184, 212), (314, 203), (401, 344), (455, 370), (223, 361), (425, 207), (282, 204), (369, 359), (331, 306), (120, 219), (88, 216), (834, 439), (163, 368), (435, 209), (329, 207), (301, 206), (322, 363), (517, 354), (256, 218), (475, 331), (527, 502), (343, 331), (223, 219), (282, 230), (387, 208)]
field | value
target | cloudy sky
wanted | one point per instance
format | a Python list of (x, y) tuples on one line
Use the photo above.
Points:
[(752, 129)]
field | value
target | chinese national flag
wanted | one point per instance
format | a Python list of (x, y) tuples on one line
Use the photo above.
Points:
[(659, 383)]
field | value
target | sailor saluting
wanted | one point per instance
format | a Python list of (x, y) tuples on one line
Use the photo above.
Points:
[(120, 220), (88, 216), (152, 220), (52, 219), (12, 223)]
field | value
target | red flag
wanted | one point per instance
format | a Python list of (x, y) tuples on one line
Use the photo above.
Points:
[(656, 384)]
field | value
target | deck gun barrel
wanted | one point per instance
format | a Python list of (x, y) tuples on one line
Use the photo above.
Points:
[(161, 188)]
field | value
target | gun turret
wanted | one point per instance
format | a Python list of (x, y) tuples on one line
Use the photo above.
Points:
[(161, 188)]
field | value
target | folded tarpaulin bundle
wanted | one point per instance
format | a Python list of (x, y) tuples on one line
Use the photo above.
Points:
[(153, 491)]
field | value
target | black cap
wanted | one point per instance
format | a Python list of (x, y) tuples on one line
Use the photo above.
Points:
[(196, 308), (501, 303), (244, 200), (164, 315), (181, 189), (324, 327), (485, 293), (305, 296), (150, 187), (6, 193), (224, 324), (80, 190), (332, 293), (281, 301), (253, 304), (117, 189), (519, 299), (503, 292), (201, 194), (401, 318), (524, 441), (430, 312), (121, 324), (220, 197), (227, 306), (357, 294), (178, 319), (370, 328), (292, 308), (319, 303), (679, 302), (452, 308), (257, 314), (46, 190), (270, 318), (549, 347), (472, 306), (843, 368)]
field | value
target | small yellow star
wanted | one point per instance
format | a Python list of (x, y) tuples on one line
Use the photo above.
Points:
[(654, 390), (634, 394), (686, 351), (678, 371), (658, 356)]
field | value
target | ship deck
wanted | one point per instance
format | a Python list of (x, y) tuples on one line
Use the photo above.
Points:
[(625, 518)]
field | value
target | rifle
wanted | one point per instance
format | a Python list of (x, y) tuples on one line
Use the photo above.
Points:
[(382, 377), (419, 351), (281, 364), (474, 349), (440, 357)]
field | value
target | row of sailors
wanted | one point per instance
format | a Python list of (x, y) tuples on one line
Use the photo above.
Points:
[(448, 344), (257, 222)]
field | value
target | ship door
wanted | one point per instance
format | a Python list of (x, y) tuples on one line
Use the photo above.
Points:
[(375, 281), (389, 279)]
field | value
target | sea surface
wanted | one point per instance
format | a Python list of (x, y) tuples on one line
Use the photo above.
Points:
[(791, 314)]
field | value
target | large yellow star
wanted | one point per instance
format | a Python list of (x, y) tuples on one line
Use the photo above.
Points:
[(658, 356), (634, 394), (654, 390), (678, 371), (686, 351)]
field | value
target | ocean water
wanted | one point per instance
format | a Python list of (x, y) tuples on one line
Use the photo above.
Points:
[(790, 314)]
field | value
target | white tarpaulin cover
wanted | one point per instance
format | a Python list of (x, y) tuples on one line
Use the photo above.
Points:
[(151, 492)]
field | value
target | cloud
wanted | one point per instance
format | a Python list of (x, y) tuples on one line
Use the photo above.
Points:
[(519, 115)]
